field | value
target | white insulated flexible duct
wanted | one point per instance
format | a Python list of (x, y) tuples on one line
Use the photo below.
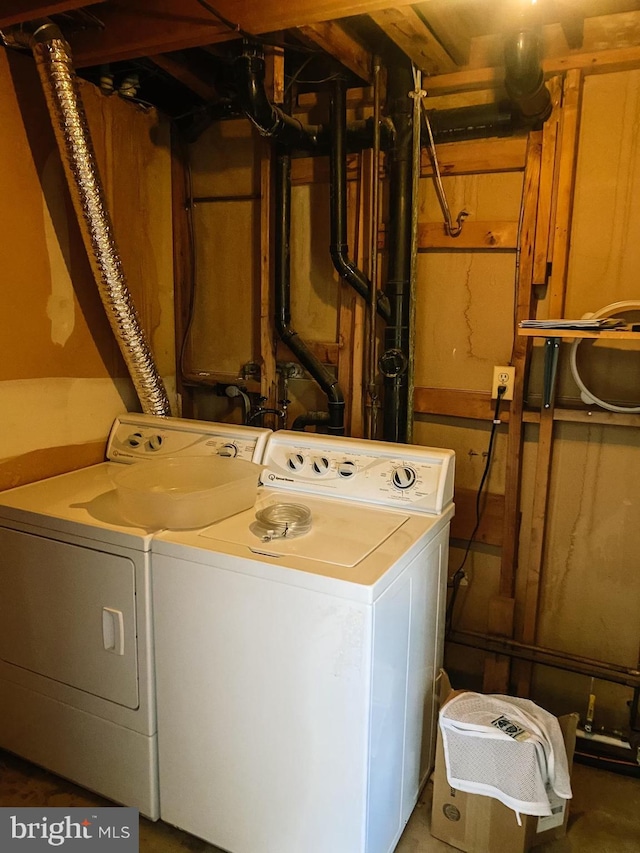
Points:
[(53, 60)]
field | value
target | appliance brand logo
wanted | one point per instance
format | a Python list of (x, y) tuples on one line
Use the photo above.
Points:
[(280, 479), (104, 829)]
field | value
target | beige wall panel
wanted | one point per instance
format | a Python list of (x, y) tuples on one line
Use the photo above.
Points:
[(224, 160), (134, 159), (486, 197), (482, 570), (464, 318), (62, 379), (470, 440), (591, 597), (591, 589), (222, 336), (314, 282), (605, 250)]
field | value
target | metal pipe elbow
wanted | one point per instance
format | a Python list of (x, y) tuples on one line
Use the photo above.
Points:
[(524, 78)]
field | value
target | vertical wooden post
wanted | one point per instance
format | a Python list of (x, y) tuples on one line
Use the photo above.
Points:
[(351, 320), (501, 609), (568, 144), (274, 84), (547, 196), (182, 263)]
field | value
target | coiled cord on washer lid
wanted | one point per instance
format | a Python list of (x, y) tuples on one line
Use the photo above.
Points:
[(588, 396), (282, 521)]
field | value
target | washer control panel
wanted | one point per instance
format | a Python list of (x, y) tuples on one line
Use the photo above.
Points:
[(375, 471), (136, 437)]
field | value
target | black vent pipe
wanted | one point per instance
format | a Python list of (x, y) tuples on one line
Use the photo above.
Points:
[(338, 195), (524, 78), (267, 117), (282, 263), (475, 122), (395, 358)]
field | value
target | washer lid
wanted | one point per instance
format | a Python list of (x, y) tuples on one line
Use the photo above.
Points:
[(342, 534)]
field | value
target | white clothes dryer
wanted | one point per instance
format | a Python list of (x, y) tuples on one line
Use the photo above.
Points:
[(296, 656), (77, 692)]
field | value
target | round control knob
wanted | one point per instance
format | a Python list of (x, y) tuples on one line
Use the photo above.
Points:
[(155, 442), (403, 477), (347, 468), (135, 439), (295, 461), (228, 450), (320, 465)]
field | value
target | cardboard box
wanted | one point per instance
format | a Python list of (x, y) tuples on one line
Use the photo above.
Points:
[(479, 824)]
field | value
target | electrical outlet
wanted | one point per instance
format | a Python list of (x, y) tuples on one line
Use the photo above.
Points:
[(503, 376)]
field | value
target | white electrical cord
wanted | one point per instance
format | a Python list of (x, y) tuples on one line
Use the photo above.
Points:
[(586, 395)]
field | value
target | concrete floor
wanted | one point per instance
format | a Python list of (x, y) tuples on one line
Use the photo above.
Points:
[(605, 813)]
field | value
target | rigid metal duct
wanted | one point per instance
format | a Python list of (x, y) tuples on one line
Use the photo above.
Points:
[(524, 77), (338, 194), (328, 383), (53, 60), (394, 360)]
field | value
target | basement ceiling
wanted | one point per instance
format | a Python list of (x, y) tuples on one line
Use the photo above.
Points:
[(458, 44)]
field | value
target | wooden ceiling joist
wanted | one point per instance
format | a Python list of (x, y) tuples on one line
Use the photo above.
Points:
[(453, 26), (134, 28), (29, 10), (337, 42), (407, 29), (180, 69)]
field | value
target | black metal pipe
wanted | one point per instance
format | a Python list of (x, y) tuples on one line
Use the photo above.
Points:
[(474, 122), (524, 77), (267, 117), (549, 657), (396, 334), (282, 263), (339, 247), (310, 419)]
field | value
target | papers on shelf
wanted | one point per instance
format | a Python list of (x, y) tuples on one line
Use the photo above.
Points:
[(584, 325)]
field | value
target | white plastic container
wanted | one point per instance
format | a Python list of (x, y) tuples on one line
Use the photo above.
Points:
[(182, 493)]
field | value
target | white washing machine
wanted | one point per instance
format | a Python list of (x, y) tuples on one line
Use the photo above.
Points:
[(295, 670), (77, 692)]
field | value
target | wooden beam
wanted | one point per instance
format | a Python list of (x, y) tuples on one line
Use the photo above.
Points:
[(568, 141), (474, 236), (135, 28), (451, 402), (274, 86), (572, 24), (410, 33), (569, 125), (28, 10), (502, 608), (453, 26), (182, 263), (180, 69), (520, 359), (594, 62), (476, 156), (337, 42), (546, 192)]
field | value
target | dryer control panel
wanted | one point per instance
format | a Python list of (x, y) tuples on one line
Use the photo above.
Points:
[(411, 476), (136, 437)]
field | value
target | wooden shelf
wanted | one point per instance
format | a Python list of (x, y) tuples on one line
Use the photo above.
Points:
[(610, 334)]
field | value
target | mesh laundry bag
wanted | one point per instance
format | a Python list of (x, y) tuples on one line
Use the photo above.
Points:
[(506, 748)]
